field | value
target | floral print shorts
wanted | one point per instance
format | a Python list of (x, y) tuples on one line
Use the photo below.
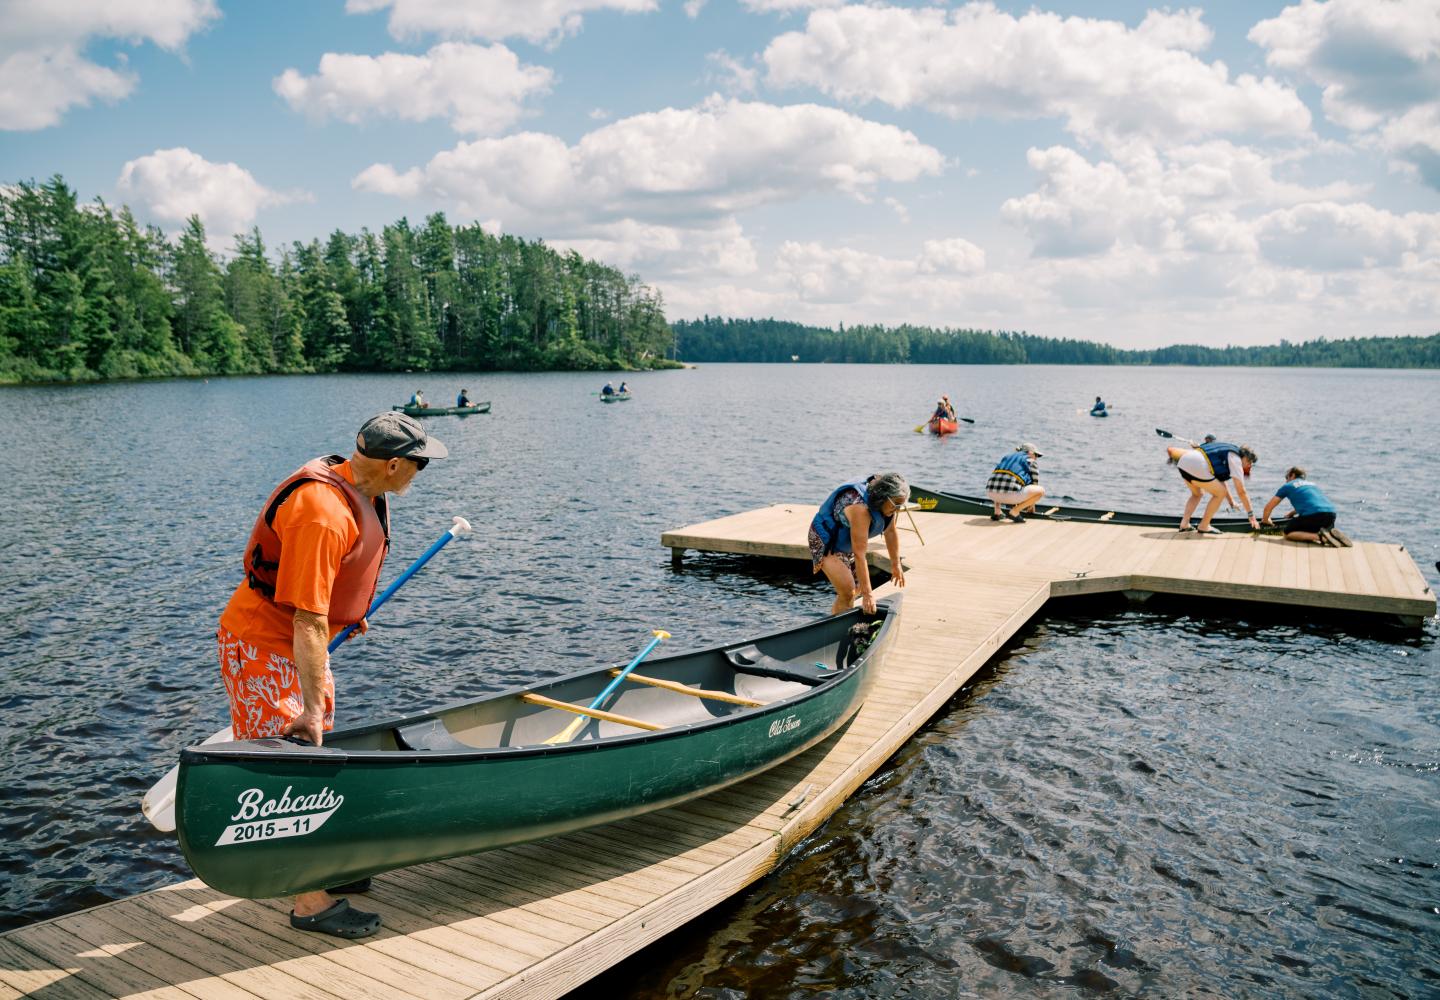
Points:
[(264, 688)]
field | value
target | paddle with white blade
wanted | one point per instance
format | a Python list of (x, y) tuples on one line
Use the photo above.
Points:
[(158, 803)]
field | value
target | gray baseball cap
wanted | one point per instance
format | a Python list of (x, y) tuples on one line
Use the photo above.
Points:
[(395, 435)]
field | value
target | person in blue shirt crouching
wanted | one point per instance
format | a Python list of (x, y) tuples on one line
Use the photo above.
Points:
[(1314, 517)]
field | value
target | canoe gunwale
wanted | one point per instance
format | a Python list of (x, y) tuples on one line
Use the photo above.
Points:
[(290, 751)]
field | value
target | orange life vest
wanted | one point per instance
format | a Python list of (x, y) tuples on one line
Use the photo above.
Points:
[(359, 572)]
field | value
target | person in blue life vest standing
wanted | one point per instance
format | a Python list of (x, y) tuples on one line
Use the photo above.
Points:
[(463, 398), (1209, 468), (840, 531), (1015, 482), (1314, 517)]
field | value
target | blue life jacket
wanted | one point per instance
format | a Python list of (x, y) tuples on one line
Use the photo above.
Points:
[(415, 399), (460, 399), (1218, 453), (1017, 464), (834, 531), (1305, 497), (1098, 407)]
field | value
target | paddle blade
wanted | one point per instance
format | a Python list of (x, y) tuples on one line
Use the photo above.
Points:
[(966, 419), (568, 733), (158, 804), (921, 428), (1164, 434)]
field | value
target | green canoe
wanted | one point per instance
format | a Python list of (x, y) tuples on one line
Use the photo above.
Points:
[(443, 411), (272, 817), (615, 397), (955, 503)]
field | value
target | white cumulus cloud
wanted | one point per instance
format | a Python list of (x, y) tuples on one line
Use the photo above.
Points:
[(171, 185), (673, 167), (534, 20), (43, 72), (1378, 65), (1152, 198), (1103, 79), (1325, 236), (480, 89)]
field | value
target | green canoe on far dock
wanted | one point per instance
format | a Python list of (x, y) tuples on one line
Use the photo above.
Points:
[(273, 817), (957, 503), (443, 411)]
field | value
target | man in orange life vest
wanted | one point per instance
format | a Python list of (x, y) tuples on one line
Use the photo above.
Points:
[(311, 567)]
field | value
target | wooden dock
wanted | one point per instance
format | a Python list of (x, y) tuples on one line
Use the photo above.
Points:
[(540, 919)]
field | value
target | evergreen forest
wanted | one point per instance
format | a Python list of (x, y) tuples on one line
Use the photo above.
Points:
[(716, 339), (87, 293)]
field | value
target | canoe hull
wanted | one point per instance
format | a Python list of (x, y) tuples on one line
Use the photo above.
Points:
[(270, 817), (443, 411), (955, 503), (939, 425), (619, 397)]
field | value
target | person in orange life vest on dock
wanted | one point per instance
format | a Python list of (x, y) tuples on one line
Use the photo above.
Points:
[(1314, 519), (311, 567), (840, 531), (1209, 468), (1015, 482)]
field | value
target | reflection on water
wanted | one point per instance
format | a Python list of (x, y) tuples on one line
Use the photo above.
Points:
[(1176, 800)]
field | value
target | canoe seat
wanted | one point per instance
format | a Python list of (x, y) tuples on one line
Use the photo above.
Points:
[(428, 734), (749, 660)]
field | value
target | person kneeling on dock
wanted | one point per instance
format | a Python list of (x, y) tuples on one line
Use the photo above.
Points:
[(1314, 517), (840, 532), (311, 566), (1208, 469), (1015, 483)]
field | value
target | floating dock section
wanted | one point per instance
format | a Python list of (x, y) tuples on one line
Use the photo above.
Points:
[(540, 919)]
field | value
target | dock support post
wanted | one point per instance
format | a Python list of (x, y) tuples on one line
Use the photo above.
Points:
[(677, 557), (1139, 596)]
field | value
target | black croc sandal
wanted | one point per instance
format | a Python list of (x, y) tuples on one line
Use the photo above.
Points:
[(994, 517), (338, 921), (1017, 518)]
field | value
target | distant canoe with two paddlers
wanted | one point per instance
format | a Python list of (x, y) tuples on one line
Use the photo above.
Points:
[(443, 411)]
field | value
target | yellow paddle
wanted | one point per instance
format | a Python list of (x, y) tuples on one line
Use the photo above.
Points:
[(568, 733)]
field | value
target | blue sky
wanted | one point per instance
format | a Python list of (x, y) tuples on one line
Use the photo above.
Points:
[(1225, 173)]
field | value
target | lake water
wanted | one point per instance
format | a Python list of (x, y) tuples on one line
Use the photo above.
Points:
[(1180, 799)]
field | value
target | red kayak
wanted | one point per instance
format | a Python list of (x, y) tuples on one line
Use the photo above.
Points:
[(939, 425)]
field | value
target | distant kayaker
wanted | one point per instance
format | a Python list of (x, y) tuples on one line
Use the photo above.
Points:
[(417, 398), (463, 399), (311, 565), (1208, 468), (1314, 517), (609, 390), (1015, 482), (624, 388), (1098, 408), (841, 529)]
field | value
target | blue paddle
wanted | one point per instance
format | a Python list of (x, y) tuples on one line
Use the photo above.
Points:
[(568, 733), (158, 804), (460, 527)]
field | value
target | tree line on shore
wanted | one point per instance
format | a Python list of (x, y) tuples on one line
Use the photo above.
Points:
[(714, 338), (87, 293)]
